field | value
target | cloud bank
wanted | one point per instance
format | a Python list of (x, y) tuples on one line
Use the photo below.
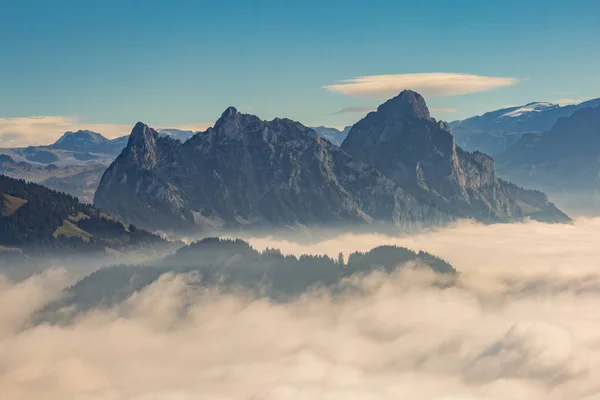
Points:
[(437, 84), (43, 130), (521, 323)]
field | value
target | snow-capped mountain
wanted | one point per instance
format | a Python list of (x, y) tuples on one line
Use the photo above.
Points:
[(334, 135), (523, 111), (178, 134), (496, 131)]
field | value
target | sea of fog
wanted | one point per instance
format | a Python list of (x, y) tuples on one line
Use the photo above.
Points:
[(522, 322)]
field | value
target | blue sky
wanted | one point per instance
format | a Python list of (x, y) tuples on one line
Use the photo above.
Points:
[(181, 63)]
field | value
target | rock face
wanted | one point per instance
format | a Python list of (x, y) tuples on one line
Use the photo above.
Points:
[(397, 165), (249, 172), (402, 141)]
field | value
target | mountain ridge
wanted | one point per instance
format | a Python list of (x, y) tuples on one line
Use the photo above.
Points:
[(245, 172), (496, 131), (257, 179)]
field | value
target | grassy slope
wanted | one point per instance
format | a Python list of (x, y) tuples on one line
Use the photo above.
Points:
[(10, 204), (68, 229)]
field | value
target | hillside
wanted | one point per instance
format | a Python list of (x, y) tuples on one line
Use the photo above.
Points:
[(34, 218)]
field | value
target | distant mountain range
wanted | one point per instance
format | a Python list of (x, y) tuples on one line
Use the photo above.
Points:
[(496, 131), (564, 159), (177, 134), (334, 135), (73, 164), (543, 146), (397, 165)]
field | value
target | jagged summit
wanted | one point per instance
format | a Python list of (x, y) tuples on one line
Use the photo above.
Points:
[(142, 135), (407, 104), (236, 125), (231, 111), (402, 141)]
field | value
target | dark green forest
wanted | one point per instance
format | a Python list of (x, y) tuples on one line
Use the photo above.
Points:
[(33, 225), (235, 265)]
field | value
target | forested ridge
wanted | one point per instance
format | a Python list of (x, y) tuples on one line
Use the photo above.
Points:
[(235, 265), (46, 218)]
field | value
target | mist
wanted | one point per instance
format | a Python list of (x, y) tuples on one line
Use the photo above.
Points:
[(520, 322)]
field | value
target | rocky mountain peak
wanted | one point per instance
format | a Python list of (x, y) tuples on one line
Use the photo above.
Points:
[(140, 134), (141, 146), (230, 112), (234, 124), (408, 104)]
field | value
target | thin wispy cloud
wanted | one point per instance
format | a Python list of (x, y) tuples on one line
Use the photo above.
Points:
[(438, 84), (43, 130), (356, 109), (567, 101)]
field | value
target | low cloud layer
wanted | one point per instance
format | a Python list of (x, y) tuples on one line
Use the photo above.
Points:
[(521, 323), (428, 84), (44, 130)]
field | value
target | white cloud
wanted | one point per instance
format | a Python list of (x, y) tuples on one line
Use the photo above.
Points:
[(42, 130), (521, 324), (428, 84), (567, 102)]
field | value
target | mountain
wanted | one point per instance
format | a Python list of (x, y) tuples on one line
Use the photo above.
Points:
[(73, 164), (34, 218), (78, 184), (418, 153), (397, 166), (496, 131), (85, 141), (334, 135), (178, 134), (248, 172), (80, 180), (229, 264), (566, 158)]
